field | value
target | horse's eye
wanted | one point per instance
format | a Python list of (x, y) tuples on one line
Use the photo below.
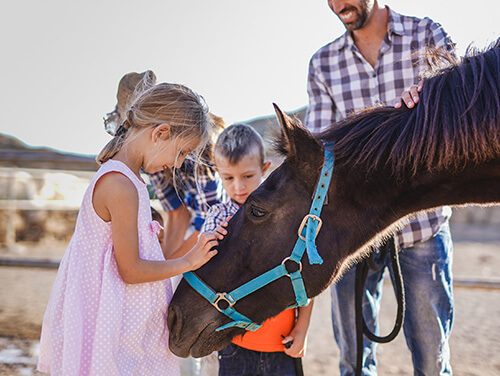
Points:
[(256, 212)]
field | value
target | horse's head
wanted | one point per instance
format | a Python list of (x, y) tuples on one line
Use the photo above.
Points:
[(256, 242), (389, 163)]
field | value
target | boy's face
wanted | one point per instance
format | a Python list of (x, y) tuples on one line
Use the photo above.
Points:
[(242, 178)]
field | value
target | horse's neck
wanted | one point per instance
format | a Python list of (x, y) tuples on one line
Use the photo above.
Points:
[(364, 211), (475, 184)]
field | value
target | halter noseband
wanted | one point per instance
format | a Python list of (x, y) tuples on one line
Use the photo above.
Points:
[(307, 232)]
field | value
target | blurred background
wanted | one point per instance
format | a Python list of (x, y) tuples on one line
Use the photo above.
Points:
[(60, 67)]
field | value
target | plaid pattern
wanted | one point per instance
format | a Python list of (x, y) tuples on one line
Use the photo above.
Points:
[(341, 81), (218, 213), (200, 201)]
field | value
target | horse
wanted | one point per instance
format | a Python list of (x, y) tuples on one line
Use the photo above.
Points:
[(389, 164)]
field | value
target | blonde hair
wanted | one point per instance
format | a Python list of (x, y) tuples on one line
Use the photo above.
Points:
[(176, 105)]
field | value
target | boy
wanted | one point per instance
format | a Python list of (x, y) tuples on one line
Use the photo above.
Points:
[(239, 159)]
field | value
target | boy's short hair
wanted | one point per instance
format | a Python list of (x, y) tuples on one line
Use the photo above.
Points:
[(238, 141)]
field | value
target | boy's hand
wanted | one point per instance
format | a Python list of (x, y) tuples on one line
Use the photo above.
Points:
[(220, 231), (295, 344), (410, 97), (202, 251)]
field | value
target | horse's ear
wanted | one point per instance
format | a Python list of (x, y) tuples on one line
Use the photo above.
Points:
[(295, 142), (287, 142)]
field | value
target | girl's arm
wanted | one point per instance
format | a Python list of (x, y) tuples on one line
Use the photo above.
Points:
[(115, 199), (298, 335)]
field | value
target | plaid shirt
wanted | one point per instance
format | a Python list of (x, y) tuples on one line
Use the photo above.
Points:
[(218, 214), (341, 80), (200, 201)]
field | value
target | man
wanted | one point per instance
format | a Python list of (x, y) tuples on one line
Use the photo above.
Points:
[(371, 64)]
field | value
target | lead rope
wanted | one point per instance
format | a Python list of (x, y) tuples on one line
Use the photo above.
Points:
[(361, 327)]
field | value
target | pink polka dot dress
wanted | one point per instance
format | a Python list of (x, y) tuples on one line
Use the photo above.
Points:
[(96, 324)]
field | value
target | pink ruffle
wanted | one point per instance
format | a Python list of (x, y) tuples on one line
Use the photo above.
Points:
[(155, 227)]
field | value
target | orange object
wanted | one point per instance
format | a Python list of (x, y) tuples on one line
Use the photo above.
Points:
[(269, 336)]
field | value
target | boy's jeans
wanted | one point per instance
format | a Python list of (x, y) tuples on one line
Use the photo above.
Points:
[(238, 361), (427, 275)]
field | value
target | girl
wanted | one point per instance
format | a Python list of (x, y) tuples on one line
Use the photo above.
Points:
[(107, 310)]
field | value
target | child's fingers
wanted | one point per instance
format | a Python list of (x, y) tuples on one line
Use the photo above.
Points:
[(212, 253), (224, 223), (294, 352), (287, 339), (210, 244), (220, 232), (205, 237), (221, 229)]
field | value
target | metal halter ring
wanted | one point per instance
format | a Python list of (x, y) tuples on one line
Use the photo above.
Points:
[(288, 258), (221, 296), (304, 223)]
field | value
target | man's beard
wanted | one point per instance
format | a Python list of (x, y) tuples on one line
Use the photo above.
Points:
[(361, 17)]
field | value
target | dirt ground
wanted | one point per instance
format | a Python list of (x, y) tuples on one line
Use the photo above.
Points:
[(475, 342)]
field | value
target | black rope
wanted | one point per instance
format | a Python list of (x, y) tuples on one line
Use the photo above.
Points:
[(362, 269)]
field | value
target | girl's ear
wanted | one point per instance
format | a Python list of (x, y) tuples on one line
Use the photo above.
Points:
[(161, 132)]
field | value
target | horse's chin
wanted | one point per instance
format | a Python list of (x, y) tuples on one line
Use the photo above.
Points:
[(203, 345)]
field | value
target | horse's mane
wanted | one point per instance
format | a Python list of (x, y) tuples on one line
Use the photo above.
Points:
[(457, 121)]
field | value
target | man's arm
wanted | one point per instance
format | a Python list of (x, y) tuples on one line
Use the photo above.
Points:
[(204, 195), (436, 37), (321, 112)]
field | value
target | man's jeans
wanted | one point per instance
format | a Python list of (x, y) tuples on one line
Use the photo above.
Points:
[(427, 275), (237, 361)]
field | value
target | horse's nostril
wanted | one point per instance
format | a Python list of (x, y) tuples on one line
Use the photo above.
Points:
[(172, 321)]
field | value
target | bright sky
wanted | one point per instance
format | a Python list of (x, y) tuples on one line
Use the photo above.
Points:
[(62, 59)]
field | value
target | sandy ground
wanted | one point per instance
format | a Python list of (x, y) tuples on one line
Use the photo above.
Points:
[(475, 342)]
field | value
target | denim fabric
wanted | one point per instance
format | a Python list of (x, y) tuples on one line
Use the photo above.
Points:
[(427, 275), (238, 361)]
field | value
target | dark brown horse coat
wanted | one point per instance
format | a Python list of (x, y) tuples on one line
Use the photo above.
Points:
[(389, 163)]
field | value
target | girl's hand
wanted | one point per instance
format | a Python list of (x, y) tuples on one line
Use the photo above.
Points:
[(410, 97), (297, 349), (201, 252)]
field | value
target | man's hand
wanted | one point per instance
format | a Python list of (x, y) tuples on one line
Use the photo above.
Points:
[(410, 97)]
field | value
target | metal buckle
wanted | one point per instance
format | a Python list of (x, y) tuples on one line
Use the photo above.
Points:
[(304, 223), (222, 296), (288, 258)]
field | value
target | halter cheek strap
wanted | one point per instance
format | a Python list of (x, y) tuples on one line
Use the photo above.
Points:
[(307, 233)]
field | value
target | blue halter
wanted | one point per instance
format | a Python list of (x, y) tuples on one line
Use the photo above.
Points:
[(308, 230)]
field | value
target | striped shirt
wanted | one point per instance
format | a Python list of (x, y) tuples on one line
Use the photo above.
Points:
[(200, 200), (218, 214), (341, 81)]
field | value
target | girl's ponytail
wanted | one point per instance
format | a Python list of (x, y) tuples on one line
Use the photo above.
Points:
[(112, 147)]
